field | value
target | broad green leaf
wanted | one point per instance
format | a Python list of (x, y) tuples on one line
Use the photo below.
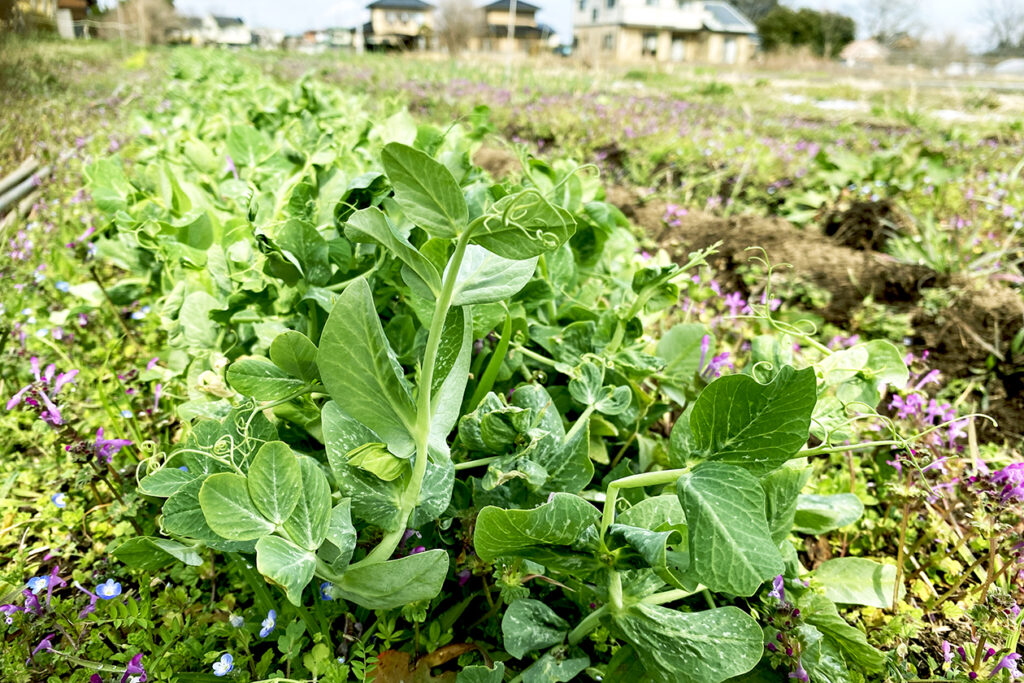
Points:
[(485, 277), (739, 421), (108, 185), (166, 481), (451, 373), (697, 647), (304, 247), (310, 520), (510, 533), (294, 353), (374, 500), (391, 584), (680, 348), (436, 491), (376, 459), (361, 372), (275, 481), (656, 513), (371, 225), (862, 372), (426, 190), (150, 554), (481, 674), (229, 510), (286, 565), (820, 514), (821, 657), (654, 549), (731, 547), (821, 612), (261, 379), (857, 581), (781, 488), (530, 625), (587, 383), (523, 225), (197, 328), (564, 458), (552, 669), (341, 533), (247, 146)]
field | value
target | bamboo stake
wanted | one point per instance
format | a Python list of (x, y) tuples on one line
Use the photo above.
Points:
[(19, 174)]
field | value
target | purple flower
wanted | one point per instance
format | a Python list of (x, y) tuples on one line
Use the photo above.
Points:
[(1009, 662), (778, 590), (106, 449), (799, 673), (45, 645), (464, 577), (93, 598), (135, 670), (947, 652), (735, 303)]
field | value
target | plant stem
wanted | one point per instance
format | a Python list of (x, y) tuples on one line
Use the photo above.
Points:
[(589, 623), (631, 482), (493, 366), (615, 590), (479, 462), (580, 423), (670, 596)]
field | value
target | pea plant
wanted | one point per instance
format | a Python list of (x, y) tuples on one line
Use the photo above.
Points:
[(389, 345)]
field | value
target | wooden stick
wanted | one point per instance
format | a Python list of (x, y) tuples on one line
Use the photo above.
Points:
[(19, 174), (20, 190)]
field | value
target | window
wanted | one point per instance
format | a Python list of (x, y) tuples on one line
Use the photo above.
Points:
[(681, 4), (610, 4), (583, 5), (608, 43), (404, 17), (729, 51), (391, 17), (593, 15), (650, 44), (652, 3)]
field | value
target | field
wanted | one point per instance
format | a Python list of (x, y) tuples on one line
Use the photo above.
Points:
[(335, 368)]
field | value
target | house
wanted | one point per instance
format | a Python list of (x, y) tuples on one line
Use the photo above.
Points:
[(211, 30), (64, 15), (399, 25), (527, 35), (868, 51), (663, 30)]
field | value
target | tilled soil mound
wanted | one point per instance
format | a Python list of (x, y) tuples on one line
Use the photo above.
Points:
[(976, 324)]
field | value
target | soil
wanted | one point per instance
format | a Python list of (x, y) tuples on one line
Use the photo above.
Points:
[(975, 324), (864, 225)]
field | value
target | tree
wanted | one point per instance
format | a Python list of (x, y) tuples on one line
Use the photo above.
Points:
[(825, 33), (889, 20), (755, 10), (1005, 21), (457, 22)]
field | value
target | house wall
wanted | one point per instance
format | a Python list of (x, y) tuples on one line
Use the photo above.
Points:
[(501, 18), (389, 21), (520, 45), (627, 45)]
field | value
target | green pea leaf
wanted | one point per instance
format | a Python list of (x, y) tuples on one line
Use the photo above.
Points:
[(731, 547), (275, 481), (286, 565), (739, 421), (485, 277), (821, 612), (514, 533), (530, 625), (229, 510), (386, 585), (817, 515), (481, 674), (150, 553), (552, 669), (523, 225), (781, 490), (261, 379), (371, 225), (341, 533), (361, 372), (309, 521), (426, 190), (680, 348), (857, 581), (697, 647), (294, 353), (376, 459)]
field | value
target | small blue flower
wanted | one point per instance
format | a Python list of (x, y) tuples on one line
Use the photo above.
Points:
[(58, 500), (126, 413), (223, 666), (236, 620), (183, 468), (37, 583), (62, 286), (268, 624), (108, 589), (325, 590)]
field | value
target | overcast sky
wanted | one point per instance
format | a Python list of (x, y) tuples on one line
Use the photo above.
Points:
[(938, 17)]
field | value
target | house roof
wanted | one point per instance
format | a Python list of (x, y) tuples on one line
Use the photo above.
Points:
[(506, 6), (400, 4), (721, 16), (224, 22), (191, 22)]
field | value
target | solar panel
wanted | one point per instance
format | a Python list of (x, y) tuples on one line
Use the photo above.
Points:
[(725, 15)]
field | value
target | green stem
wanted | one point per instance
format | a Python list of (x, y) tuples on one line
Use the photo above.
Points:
[(670, 596), (589, 623), (479, 462), (493, 366), (535, 356), (632, 482), (580, 423), (615, 590)]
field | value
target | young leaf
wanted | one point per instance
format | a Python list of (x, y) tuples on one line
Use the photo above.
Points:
[(451, 372), (680, 348), (275, 482), (309, 521), (150, 553), (821, 612), (229, 510), (485, 277), (386, 585), (294, 353), (857, 581), (361, 372), (530, 625), (523, 225), (341, 533), (739, 421), (697, 647), (261, 379), (371, 225), (731, 548), (376, 459), (286, 565), (513, 533), (781, 488), (426, 190)]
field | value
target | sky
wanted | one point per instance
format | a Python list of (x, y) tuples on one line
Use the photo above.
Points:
[(938, 17)]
